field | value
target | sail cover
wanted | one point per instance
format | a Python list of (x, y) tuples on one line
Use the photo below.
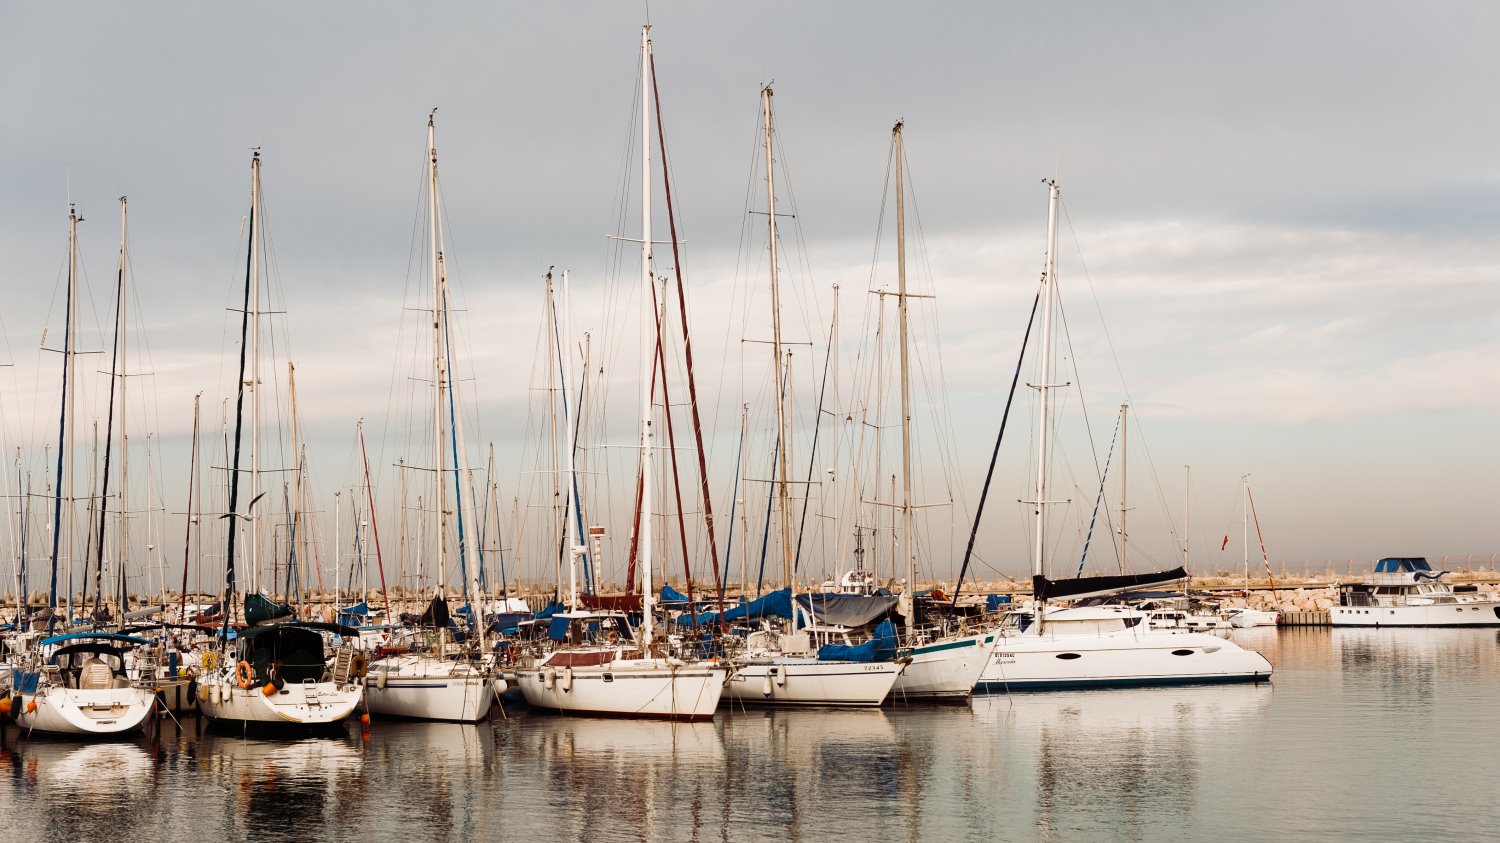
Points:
[(881, 648), (846, 609), (1080, 587)]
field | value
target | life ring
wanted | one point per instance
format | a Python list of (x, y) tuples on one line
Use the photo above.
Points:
[(244, 675), (358, 664)]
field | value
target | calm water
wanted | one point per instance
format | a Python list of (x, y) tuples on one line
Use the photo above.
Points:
[(1384, 734)]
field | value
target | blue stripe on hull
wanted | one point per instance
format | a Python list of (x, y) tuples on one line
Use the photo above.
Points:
[(1123, 682)]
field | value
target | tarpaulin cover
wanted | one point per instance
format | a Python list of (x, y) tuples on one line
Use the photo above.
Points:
[(354, 615), (558, 630), (672, 595), (508, 622), (845, 609), (552, 608), (777, 604), (881, 648), (993, 602)]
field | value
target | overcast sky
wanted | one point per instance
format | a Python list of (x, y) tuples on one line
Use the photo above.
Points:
[(1286, 214)]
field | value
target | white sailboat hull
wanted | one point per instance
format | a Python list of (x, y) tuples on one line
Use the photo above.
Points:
[(652, 688), (99, 713), (420, 687), (298, 704), (1469, 613), (792, 681), (1044, 662), (943, 670)]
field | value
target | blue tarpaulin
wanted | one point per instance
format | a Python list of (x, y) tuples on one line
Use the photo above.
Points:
[(672, 595), (552, 608), (881, 648), (777, 604), (993, 602), (355, 615)]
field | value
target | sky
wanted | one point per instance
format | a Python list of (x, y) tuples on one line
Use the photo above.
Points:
[(1280, 241)]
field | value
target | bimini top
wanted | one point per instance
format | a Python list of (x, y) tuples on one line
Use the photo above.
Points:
[(77, 636), (1400, 565)]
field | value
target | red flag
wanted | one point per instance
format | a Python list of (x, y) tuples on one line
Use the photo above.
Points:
[(1225, 544)]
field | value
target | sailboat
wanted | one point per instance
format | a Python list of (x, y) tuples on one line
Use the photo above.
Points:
[(1051, 646), (604, 666), (1244, 617), (938, 666), (427, 676), (782, 668), (76, 683), (276, 671)]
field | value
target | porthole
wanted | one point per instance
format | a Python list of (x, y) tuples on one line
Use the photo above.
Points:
[(1182, 652), (1070, 655)]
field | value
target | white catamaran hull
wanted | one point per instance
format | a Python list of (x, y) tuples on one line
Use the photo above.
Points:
[(424, 688), (72, 711), (1469, 613), (793, 681), (943, 670), (297, 704), (652, 688), (1043, 662)]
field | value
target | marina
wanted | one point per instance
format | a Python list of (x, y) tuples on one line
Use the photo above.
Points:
[(1305, 756), (809, 422)]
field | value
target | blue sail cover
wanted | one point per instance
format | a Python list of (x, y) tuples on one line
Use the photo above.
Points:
[(993, 602), (777, 604), (552, 608), (672, 595), (881, 648)]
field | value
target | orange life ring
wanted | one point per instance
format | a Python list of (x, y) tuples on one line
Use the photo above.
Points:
[(244, 675)]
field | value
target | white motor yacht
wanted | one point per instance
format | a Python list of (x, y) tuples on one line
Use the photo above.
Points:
[(1407, 592)]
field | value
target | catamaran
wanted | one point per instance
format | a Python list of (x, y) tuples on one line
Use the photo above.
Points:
[(1049, 646)]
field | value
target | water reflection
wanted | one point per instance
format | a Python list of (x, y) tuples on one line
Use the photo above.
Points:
[(1119, 760), (1352, 717)]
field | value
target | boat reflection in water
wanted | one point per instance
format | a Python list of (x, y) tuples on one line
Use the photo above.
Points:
[(1122, 762), (90, 786)]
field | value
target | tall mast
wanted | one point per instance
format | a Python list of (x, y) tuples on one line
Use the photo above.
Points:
[(648, 344), (250, 523), (62, 529), (1187, 500), (781, 427), (439, 361), (572, 540), (1245, 526), (906, 532), (1044, 388), (1124, 477), (295, 578), (246, 334), (122, 541)]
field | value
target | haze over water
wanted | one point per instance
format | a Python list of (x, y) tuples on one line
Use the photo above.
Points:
[(1370, 734)]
